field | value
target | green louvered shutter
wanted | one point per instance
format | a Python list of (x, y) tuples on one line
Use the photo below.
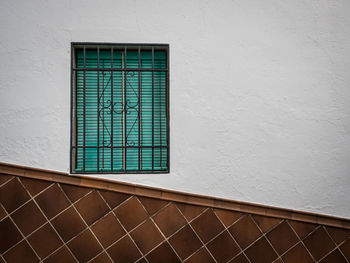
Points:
[(120, 110)]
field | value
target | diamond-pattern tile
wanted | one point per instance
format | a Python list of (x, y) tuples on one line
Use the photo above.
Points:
[(44, 241), (52, 201), (19, 252), (124, 251), (13, 195), (35, 186), (185, 242), (108, 230), (345, 248), (102, 258), (61, 255), (2, 213), (228, 217), (147, 221), (261, 252), (334, 257), (319, 243), (163, 253), (74, 193), (202, 256), (302, 229), (147, 236), (169, 220), (190, 211), (68, 224), (338, 234), (9, 234), (245, 231), (201, 223), (28, 218), (152, 205), (114, 199), (4, 178), (241, 258), (223, 247), (85, 246), (266, 223), (297, 254), (282, 237), (131, 213), (91, 207)]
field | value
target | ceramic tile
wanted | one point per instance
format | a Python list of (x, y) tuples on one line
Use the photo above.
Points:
[(297, 254), (91, 207), (207, 225), (163, 253), (147, 236), (44, 241), (21, 253), (13, 195), (245, 231), (124, 251), (223, 247), (108, 230), (84, 246), (68, 224), (319, 243), (169, 220), (131, 213), (9, 234), (52, 201), (261, 252), (185, 242)]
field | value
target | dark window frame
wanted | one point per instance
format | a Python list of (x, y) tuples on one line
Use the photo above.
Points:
[(73, 115)]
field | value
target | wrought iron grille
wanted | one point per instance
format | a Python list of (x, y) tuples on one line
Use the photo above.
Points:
[(119, 108)]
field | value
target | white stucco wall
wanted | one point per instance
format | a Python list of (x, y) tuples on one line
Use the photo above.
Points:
[(260, 92)]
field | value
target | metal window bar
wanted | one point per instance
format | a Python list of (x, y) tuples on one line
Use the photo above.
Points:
[(125, 69), (84, 110), (140, 107), (125, 109), (112, 111), (98, 108), (152, 109)]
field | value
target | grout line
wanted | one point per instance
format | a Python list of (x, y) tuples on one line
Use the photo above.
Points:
[(126, 232), (208, 201), (110, 212), (54, 217), (24, 239), (267, 238), (6, 214), (200, 240), (154, 223), (48, 221), (166, 239), (255, 241), (301, 241), (336, 246), (87, 226), (23, 236), (8, 180), (30, 198), (239, 246)]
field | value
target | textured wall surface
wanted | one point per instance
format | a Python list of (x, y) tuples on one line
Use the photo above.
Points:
[(56, 222), (260, 107)]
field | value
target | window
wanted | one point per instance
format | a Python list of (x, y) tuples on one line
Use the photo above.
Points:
[(119, 108)]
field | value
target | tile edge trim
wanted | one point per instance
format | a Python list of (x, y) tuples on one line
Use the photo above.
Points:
[(171, 195)]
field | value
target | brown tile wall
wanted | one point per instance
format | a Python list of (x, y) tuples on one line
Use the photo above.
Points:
[(43, 221)]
